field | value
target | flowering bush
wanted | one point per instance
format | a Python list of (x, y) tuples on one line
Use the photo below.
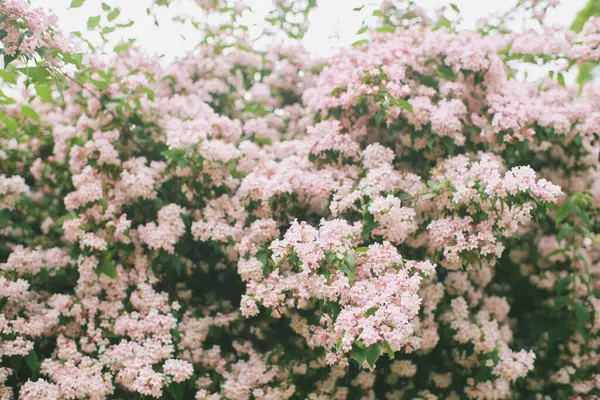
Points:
[(409, 219)]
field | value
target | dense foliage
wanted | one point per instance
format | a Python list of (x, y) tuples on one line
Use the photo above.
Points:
[(408, 219)]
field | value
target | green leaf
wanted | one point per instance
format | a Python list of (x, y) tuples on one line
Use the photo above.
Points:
[(562, 302), (149, 92), (585, 73), (183, 162), (114, 14), (255, 108), (8, 59), (44, 92), (561, 79), (178, 265), (371, 311), (30, 112), (405, 105), (359, 355), (562, 285), (158, 203), (373, 353), (11, 123), (346, 270), (584, 217), (264, 260), (330, 258), (105, 7), (380, 118), (323, 271), (76, 3), (122, 47), (65, 217), (591, 9), (443, 22), (350, 260), (386, 28), (333, 309), (262, 141), (93, 22), (126, 25), (434, 185), (559, 251), (176, 390), (562, 213), (75, 58), (389, 350), (361, 250), (581, 314), (447, 73), (103, 203), (33, 363), (108, 268), (7, 100), (8, 76), (15, 364), (362, 30), (454, 7), (347, 267), (564, 232), (35, 73), (359, 43), (102, 85)]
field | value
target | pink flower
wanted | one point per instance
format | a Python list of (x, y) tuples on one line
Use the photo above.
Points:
[(179, 370)]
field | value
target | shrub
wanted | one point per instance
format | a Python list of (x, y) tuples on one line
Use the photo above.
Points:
[(407, 219)]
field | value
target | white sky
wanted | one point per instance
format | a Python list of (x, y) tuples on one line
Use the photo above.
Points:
[(333, 23)]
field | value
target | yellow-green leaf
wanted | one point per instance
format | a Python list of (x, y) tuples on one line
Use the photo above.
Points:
[(93, 22), (44, 92), (77, 3), (8, 76), (114, 14), (30, 112), (122, 47), (35, 73)]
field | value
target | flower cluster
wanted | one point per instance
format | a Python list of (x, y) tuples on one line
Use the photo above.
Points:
[(26, 30)]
